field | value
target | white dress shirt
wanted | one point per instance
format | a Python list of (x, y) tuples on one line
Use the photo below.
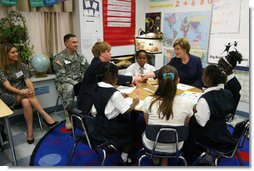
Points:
[(203, 110), (116, 104), (134, 69)]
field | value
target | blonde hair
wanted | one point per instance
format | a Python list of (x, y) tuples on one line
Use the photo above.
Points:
[(99, 47), (184, 43), (4, 50)]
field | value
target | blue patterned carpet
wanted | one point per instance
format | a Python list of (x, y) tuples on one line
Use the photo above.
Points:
[(55, 147)]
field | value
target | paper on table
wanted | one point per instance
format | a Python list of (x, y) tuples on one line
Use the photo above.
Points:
[(126, 89), (140, 104), (149, 90), (183, 86), (193, 96)]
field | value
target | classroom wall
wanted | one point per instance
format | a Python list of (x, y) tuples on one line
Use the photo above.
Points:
[(91, 30), (167, 6)]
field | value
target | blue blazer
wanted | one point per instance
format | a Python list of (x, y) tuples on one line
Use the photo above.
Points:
[(86, 92), (190, 73)]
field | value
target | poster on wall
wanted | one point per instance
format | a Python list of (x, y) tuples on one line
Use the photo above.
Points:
[(226, 16), (119, 22), (195, 26), (153, 22), (221, 47)]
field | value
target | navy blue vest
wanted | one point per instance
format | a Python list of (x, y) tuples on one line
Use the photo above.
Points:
[(117, 131)]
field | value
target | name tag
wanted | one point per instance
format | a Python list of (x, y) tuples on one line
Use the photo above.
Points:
[(67, 62), (19, 74)]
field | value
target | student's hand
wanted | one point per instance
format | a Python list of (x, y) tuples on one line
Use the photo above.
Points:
[(144, 78), (194, 108), (135, 101), (137, 78), (125, 95)]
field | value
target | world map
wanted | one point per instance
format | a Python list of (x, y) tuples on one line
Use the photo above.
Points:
[(195, 26)]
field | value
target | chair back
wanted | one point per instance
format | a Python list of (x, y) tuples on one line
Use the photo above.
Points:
[(241, 132), (167, 134)]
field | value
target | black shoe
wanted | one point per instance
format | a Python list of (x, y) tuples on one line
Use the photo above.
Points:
[(30, 141), (50, 125)]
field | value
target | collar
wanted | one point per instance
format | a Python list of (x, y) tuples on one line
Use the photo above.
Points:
[(230, 77), (218, 87), (138, 66), (103, 84)]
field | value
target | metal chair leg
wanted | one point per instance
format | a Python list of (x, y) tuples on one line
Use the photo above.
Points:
[(239, 158), (183, 159), (56, 106), (72, 152), (140, 159), (104, 157), (39, 120)]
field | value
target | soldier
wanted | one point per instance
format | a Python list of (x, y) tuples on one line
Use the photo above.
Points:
[(69, 67)]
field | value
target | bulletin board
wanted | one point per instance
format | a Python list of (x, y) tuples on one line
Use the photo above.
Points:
[(119, 22)]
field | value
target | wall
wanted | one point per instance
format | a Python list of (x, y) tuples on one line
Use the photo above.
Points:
[(162, 6), (90, 30)]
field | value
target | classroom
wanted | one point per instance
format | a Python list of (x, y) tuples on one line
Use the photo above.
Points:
[(125, 83)]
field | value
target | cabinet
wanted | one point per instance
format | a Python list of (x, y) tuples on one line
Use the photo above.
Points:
[(152, 44), (149, 42)]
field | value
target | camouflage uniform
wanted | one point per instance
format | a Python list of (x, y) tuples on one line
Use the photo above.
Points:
[(69, 71)]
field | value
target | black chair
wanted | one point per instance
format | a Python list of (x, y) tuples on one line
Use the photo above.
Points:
[(240, 133), (86, 123), (165, 134)]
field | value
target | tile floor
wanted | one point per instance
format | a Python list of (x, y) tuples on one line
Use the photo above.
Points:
[(24, 150)]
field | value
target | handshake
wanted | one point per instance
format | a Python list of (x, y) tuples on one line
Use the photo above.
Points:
[(142, 78)]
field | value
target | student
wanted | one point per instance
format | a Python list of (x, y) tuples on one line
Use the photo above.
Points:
[(227, 64), (208, 125), (101, 52), (69, 67), (112, 111), (141, 66), (17, 88), (166, 108), (188, 66)]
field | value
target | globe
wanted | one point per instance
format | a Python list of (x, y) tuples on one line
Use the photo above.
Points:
[(40, 64)]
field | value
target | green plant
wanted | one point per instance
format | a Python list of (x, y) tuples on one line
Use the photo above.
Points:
[(13, 29)]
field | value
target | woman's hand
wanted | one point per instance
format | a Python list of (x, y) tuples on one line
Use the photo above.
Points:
[(24, 92), (31, 91)]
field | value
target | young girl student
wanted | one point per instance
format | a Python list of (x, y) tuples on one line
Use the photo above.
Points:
[(227, 64), (208, 125), (112, 111), (141, 66), (166, 108)]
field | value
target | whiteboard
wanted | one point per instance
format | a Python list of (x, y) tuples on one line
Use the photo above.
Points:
[(226, 16), (218, 49)]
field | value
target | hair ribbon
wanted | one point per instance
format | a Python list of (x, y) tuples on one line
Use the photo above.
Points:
[(168, 74)]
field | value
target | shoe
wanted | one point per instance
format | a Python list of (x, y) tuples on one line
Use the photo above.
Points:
[(50, 125), (30, 141)]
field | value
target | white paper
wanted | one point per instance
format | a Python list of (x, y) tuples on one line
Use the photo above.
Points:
[(126, 89), (183, 87), (192, 96)]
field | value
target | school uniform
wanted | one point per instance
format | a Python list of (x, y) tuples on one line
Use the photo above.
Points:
[(235, 87), (85, 100), (112, 121), (135, 69), (208, 125), (182, 108)]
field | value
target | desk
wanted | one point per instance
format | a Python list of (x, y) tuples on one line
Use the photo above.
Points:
[(146, 89), (5, 112)]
